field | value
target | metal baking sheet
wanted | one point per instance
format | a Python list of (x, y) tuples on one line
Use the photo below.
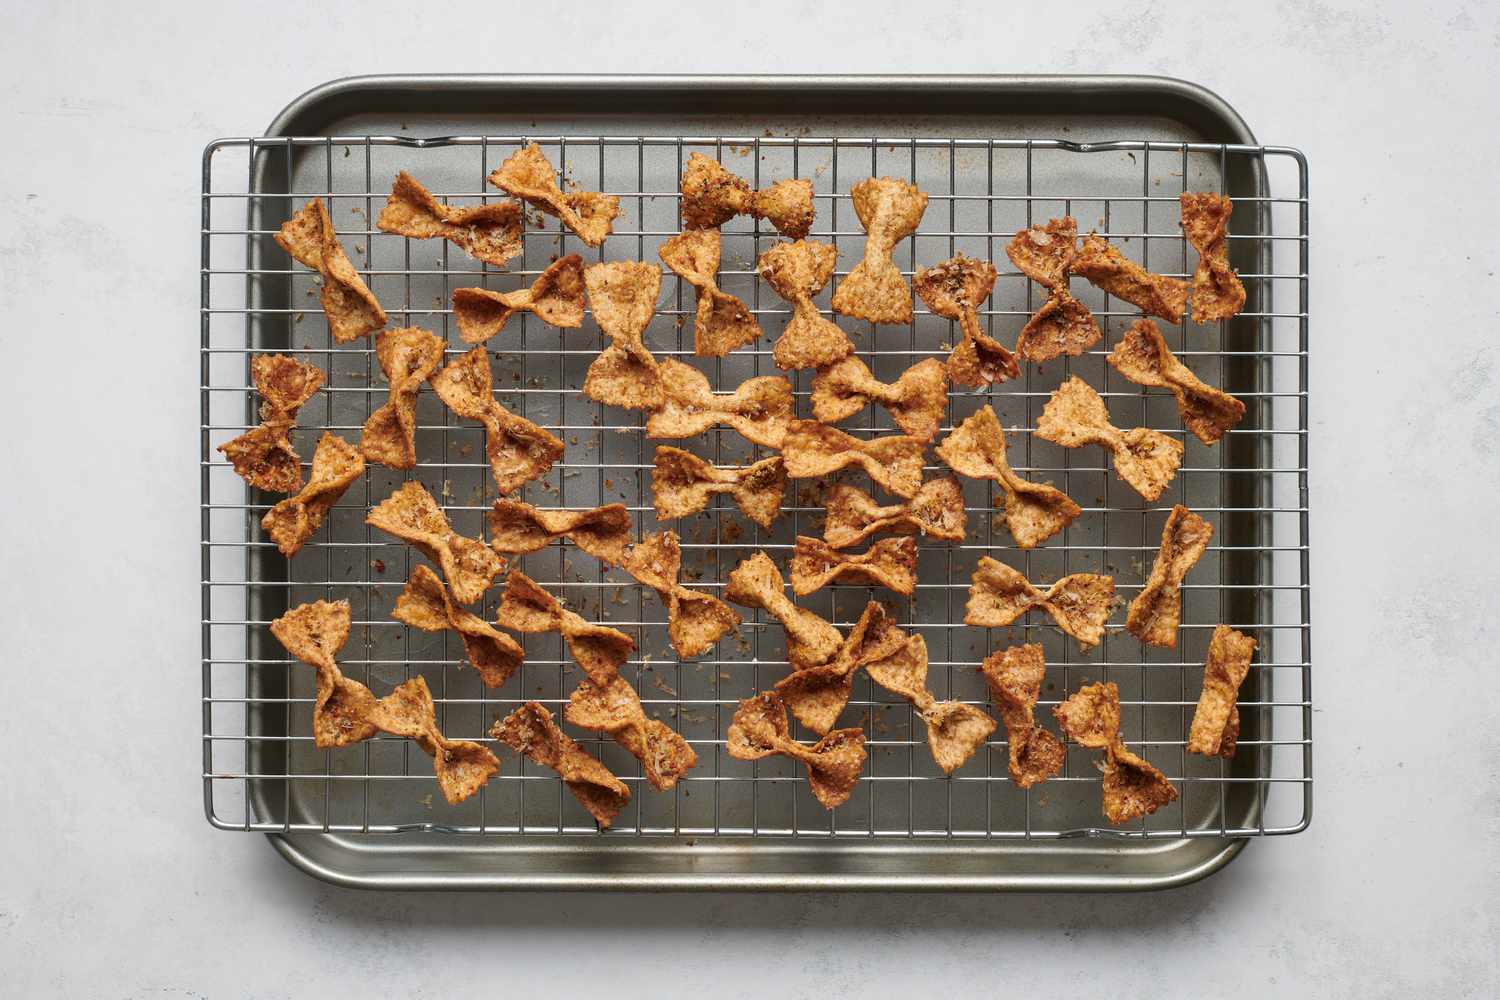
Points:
[(996, 153)]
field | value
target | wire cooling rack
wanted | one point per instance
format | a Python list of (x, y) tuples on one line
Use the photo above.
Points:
[(261, 770)]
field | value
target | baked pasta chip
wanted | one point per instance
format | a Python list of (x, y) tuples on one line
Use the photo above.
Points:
[(530, 731), (1216, 721), (1217, 290), (798, 271), (816, 695), (623, 295), (889, 563), (1075, 416), (915, 400), (348, 304), (1155, 613), (1143, 357), (890, 211), (615, 708), (711, 196), (955, 730), (555, 298), (335, 466), (937, 511), (462, 766), (491, 233), (695, 620), (722, 321), (953, 290), (598, 649), (1079, 603), (812, 450), (1106, 268), (682, 483), (1015, 676), (1063, 325), (529, 176), (412, 515), (518, 450), (1045, 254), (1132, 786), (517, 528), (757, 583), (408, 357), (425, 604), (759, 409), (263, 456), (834, 763)]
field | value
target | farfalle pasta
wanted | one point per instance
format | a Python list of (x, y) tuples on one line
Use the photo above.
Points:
[(1063, 325), (890, 210), (1076, 416), (1106, 268), (555, 297), (425, 604), (817, 694), (1143, 357), (528, 175), (518, 450), (1218, 292), (721, 322), (530, 731), (1015, 676), (682, 484), (412, 515), (1079, 603), (798, 271), (695, 620), (889, 563), (491, 233), (937, 511), (517, 528), (408, 357), (915, 401), (348, 304), (263, 456), (615, 708), (760, 409), (757, 583), (1133, 787), (711, 196), (955, 729), (1155, 613), (335, 466), (834, 763), (623, 296), (527, 608), (1215, 730), (953, 290), (813, 450)]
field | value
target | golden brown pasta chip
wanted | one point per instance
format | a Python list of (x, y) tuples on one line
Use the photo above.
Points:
[(682, 483), (1075, 416), (937, 511), (528, 175), (623, 295), (1156, 611), (711, 196), (834, 763), (816, 694), (812, 450), (491, 233), (555, 298), (1063, 325), (335, 466), (517, 528), (955, 730), (408, 357), (1143, 357), (1045, 254), (425, 604), (518, 449), (1034, 512), (412, 515), (915, 400), (890, 211), (530, 731), (1015, 676), (1079, 603), (615, 708), (462, 766), (798, 271), (598, 649), (1217, 290), (1215, 731), (1106, 268), (1132, 786), (756, 583), (722, 321), (889, 563), (695, 620), (953, 290), (759, 409), (348, 304), (263, 456)]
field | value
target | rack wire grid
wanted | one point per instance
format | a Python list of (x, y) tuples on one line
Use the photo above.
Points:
[(261, 770)]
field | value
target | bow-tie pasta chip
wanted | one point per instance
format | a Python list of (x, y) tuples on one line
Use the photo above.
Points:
[(425, 604), (817, 694), (711, 196), (412, 515), (348, 304), (530, 731), (682, 484), (1106, 268), (955, 730), (915, 400), (517, 528), (760, 409), (1217, 290), (555, 297), (722, 322), (1079, 603), (833, 763), (1143, 357), (890, 211), (1076, 416), (889, 563), (695, 620), (335, 466), (615, 708), (1215, 730), (1015, 676), (756, 583), (1132, 786), (1063, 325), (623, 295), (812, 450), (937, 511), (1155, 613), (598, 649), (519, 451), (798, 271), (529, 176), (953, 290), (263, 456), (491, 233), (408, 357)]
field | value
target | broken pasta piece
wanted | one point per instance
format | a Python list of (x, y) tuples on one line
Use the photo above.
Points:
[(798, 271), (1014, 676), (598, 649), (889, 563), (1143, 357), (1156, 611), (623, 295), (953, 290), (757, 583), (682, 484), (759, 409), (1216, 721), (1218, 292), (425, 604), (518, 449), (1075, 416), (890, 211), (711, 196), (530, 731), (1034, 512), (335, 466), (1132, 786), (834, 763), (348, 304), (814, 450), (915, 400), (955, 730), (555, 298), (491, 233), (937, 511), (1106, 268), (1079, 603), (529, 176), (263, 456), (695, 620), (408, 357), (412, 515), (615, 708), (517, 528), (722, 321), (816, 695), (1063, 325)]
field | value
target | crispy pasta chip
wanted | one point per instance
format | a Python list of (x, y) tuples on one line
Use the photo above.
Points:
[(425, 604), (682, 484), (1063, 325), (817, 694), (1215, 731), (937, 511), (263, 456), (760, 409), (518, 450), (834, 763), (695, 620), (812, 450), (915, 400), (711, 196), (1015, 676), (722, 321), (1079, 603), (1034, 512), (955, 730), (1217, 290), (462, 766), (798, 271), (348, 304), (1156, 611), (1045, 254), (953, 290), (530, 731), (615, 708), (1132, 786), (517, 528), (889, 563), (623, 295), (598, 649), (555, 297), (1075, 416), (408, 357), (491, 233), (529, 176), (890, 211), (335, 466), (412, 515), (1143, 357), (756, 583), (1106, 268)]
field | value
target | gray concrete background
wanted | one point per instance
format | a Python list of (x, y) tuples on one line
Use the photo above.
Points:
[(112, 884)]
